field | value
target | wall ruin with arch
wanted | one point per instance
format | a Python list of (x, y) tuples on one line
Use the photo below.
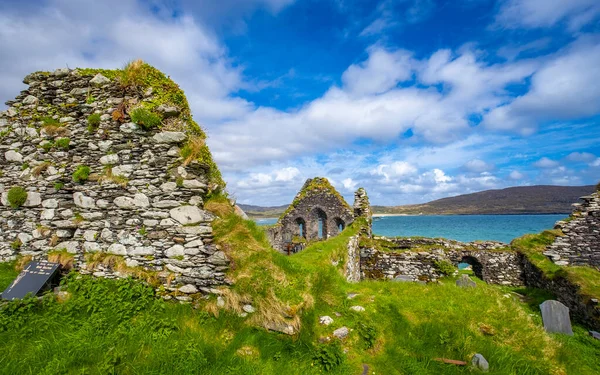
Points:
[(317, 213), (417, 259)]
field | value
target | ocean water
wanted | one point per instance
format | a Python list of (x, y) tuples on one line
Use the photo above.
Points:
[(464, 228)]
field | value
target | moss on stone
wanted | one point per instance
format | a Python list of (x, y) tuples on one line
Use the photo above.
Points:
[(16, 196), (142, 77), (314, 186)]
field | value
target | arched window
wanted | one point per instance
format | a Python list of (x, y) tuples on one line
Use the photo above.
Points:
[(301, 227), (321, 219), (340, 224)]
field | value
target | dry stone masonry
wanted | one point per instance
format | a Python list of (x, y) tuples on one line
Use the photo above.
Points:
[(98, 183), (580, 244), (418, 259)]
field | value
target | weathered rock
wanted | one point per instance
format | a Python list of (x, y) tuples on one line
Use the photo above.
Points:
[(357, 308), (287, 329), (30, 99), (117, 249), (175, 251), (188, 289), (34, 199), (109, 159), (187, 215), (480, 362), (248, 308), (83, 201), (99, 80), (341, 333), (325, 320), (168, 111), (169, 137), (13, 156)]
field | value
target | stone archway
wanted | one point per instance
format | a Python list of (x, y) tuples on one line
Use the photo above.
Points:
[(475, 264)]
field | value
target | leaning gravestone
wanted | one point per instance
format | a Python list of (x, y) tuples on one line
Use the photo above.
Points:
[(33, 279), (465, 282), (556, 317)]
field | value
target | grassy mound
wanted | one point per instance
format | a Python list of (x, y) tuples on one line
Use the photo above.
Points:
[(117, 326)]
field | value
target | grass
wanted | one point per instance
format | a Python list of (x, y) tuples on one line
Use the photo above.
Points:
[(81, 174), (118, 326), (146, 119)]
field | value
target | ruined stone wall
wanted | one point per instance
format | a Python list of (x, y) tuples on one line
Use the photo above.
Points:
[(580, 244), (583, 309), (490, 263), (140, 201)]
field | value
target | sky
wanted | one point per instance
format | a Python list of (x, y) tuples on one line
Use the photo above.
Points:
[(413, 100)]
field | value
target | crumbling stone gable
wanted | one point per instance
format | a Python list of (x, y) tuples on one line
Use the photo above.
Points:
[(580, 244), (316, 202), (140, 203)]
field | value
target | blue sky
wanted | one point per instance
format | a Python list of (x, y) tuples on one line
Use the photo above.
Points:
[(412, 99)]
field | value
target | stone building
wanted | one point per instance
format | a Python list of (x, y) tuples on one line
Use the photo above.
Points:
[(580, 244), (318, 212), (89, 178)]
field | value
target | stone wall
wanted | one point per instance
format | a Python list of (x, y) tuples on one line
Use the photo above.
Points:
[(140, 202), (490, 263), (583, 309), (580, 244)]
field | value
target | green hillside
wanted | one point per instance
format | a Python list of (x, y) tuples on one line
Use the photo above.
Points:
[(118, 327)]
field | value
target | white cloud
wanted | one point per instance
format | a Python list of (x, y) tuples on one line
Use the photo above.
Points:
[(516, 175), (595, 163), (562, 89), (478, 165), (581, 157), (440, 177), (545, 13), (395, 170), (287, 174), (546, 163), (349, 184), (379, 73)]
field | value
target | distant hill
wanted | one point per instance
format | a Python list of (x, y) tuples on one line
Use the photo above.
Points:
[(258, 211), (541, 199)]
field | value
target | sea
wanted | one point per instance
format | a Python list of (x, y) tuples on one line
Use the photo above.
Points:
[(465, 228)]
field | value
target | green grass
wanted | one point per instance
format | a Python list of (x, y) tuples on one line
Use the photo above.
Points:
[(118, 326)]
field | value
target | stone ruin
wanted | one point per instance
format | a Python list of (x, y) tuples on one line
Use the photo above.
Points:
[(318, 212), (142, 202), (580, 244)]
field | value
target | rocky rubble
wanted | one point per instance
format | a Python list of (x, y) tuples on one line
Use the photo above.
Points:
[(140, 202)]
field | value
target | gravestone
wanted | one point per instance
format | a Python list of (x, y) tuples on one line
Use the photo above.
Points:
[(465, 282), (33, 279), (556, 317)]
